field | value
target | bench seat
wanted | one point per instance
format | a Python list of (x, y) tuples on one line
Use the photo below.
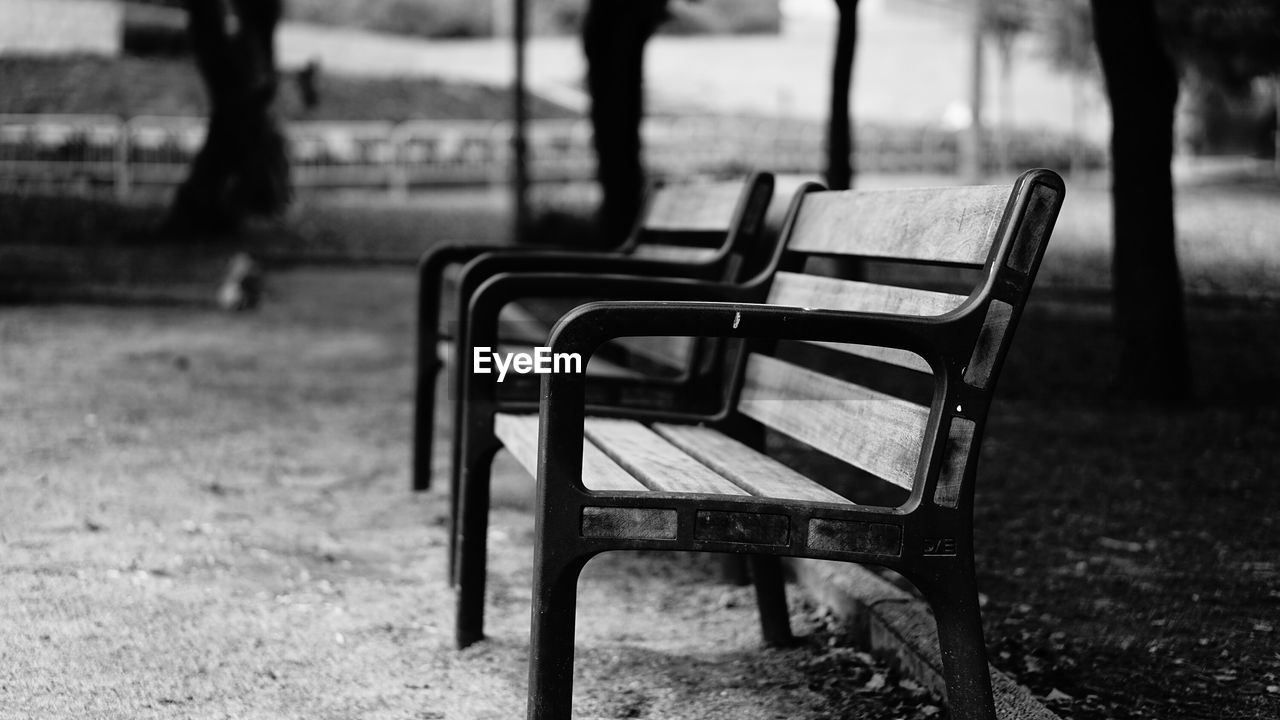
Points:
[(629, 456)]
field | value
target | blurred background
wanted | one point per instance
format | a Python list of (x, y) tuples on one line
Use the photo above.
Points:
[(391, 98), (1129, 519)]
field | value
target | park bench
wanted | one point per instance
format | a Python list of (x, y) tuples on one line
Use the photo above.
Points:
[(810, 345), (693, 230)]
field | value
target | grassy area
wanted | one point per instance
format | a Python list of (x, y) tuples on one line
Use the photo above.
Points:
[(465, 18), (1129, 554), (1225, 230), (132, 86)]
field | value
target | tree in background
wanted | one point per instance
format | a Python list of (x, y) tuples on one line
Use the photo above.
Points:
[(840, 163), (1233, 40), (1223, 48), (243, 168), (614, 35), (1142, 87), (1004, 21)]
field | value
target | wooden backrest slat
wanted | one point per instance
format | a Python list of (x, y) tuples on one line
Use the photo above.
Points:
[(892, 356), (813, 291), (876, 432), (692, 223), (954, 225), (674, 253), (671, 352), (693, 207)]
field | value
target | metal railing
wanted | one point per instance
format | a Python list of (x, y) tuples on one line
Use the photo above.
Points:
[(88, 153)]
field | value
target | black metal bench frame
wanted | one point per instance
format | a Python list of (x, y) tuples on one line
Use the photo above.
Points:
[(928, 539), (480, 262)]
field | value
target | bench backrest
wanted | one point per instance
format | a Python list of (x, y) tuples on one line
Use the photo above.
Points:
[(702, 221), (997, 232), (720, 223)]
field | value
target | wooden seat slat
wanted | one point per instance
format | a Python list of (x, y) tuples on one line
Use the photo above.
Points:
[(654, 461), (752, 470), (955, 225), (519, 434), (812, 291), (878, 433)]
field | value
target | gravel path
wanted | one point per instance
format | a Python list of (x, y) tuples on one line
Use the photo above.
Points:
[(207, 516)]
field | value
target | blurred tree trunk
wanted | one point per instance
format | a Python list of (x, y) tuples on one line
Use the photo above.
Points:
[(1143, 87), (840, 163), (613, 36), (243, 168)]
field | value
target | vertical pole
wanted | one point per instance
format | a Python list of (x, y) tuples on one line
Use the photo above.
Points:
[(520, 160), (1275, 99), (971, 158), (123, 182)]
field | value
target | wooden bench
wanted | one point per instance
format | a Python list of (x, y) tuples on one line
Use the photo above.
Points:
[(692, 483), (684, 231)]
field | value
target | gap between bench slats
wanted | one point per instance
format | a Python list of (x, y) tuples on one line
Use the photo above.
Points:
[(672, 352), (815, 291), (878, 433), (799, 290), (947, 225), (519, 433)]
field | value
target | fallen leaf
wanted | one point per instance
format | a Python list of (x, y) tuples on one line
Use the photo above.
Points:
[(1122, 545)]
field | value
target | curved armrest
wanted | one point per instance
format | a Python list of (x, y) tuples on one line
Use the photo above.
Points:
[(562, 410), (488, 265), (481, 325), (588, 325)]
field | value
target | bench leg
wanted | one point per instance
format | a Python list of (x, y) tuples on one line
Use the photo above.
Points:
[(954, 599), (472, 533), (771, 597), (457, 464), (430, 282), (555, 601)]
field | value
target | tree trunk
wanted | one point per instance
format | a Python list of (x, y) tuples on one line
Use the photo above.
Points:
[(840, 162), (613, 37), (243, 167), (1143, 87)]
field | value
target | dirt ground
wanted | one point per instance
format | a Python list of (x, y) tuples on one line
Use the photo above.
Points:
[(1129, 554), (208, 516)]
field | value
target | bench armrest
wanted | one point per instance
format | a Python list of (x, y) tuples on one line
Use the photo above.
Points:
[(591, 324), (481, 325), (436, 261), (488, 265), (562, 409)]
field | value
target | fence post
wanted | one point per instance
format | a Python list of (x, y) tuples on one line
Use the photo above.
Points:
[(120, 162)]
